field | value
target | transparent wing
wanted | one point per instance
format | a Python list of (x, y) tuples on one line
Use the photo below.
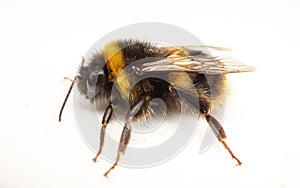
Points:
[(197, 50), (197, 61)]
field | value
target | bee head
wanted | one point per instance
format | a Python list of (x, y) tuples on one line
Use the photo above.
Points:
[(91, 78)]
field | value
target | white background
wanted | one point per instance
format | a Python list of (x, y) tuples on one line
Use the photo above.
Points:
[(42, 41)]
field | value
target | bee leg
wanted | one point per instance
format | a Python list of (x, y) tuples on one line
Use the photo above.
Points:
[(105, 120), (124, 140), (220, 134)]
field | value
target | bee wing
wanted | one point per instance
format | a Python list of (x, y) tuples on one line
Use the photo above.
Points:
[(205, 49), (202, 64), (197, 50)]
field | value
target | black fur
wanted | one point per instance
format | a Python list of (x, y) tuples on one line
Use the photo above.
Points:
[(133, 51), (97, 63)]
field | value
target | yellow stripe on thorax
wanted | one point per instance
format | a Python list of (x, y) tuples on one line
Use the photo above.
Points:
[(115, 62), (114, 59)]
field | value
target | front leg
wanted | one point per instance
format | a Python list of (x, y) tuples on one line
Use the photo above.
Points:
[(105, 120)]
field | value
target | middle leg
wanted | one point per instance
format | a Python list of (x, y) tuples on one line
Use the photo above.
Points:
[(124, 140)]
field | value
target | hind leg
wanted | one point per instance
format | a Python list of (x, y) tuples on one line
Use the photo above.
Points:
[(220, 134)]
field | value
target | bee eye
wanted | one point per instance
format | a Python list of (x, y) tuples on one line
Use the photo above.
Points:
[(92, 79), (91, 84)]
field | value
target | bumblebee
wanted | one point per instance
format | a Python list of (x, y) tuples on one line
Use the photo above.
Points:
[(164, 70)]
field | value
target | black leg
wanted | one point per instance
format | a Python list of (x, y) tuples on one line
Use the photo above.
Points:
[(126, 132), (220, 134), (105, 120)]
